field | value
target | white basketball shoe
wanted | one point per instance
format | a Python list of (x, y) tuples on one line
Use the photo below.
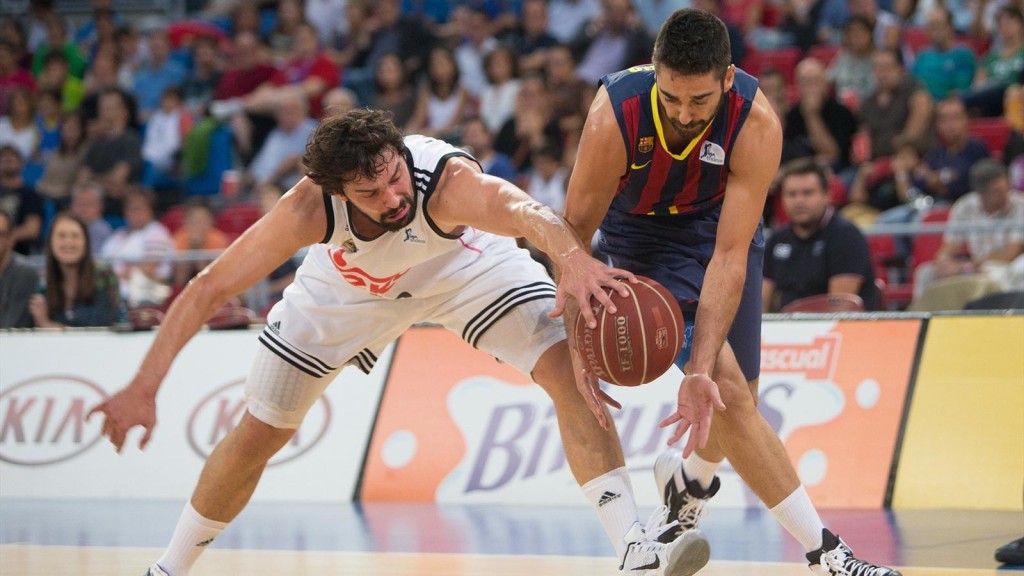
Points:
[(645, 555)]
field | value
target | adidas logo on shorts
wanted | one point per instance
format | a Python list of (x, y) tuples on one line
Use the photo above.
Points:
[(275, 327)]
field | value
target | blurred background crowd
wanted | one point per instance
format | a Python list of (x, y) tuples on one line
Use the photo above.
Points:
[(139, 137)]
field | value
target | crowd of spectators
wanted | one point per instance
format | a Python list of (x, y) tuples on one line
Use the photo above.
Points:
[(107, 119)]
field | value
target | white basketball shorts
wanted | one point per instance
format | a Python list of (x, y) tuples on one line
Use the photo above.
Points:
[(323, 324)]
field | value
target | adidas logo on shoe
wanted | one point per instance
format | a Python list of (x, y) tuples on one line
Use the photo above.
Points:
[(607, 498)]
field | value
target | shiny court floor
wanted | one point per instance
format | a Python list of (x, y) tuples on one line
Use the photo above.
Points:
[(79, 538)]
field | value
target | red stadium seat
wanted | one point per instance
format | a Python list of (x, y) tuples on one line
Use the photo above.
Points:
[(182, 32), (174, 217), (882, 248), (926, 245), (824, 303), (924, 249), (980, 46), (235, 219), (782, 59), (231, 317), (883, 301), (994, 132), (824, 53), (145, 318), (915, 38)]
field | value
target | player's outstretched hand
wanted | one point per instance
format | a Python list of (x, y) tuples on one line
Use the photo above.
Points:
[(583, 277), (590, 388), (130, 407), (698, 399)]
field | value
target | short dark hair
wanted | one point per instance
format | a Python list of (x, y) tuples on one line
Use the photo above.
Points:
[(500, 50), (55, 56), (859, 20), (11, 149), (693, 43), (984, 173), (802, 166), (357, 144), (145, 194), (1011, 11), (896, 54)]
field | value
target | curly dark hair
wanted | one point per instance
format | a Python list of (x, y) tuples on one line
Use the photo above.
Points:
[(355, 145), (693, 43)]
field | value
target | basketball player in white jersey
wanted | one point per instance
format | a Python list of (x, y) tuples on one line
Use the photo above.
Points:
[(400, 231)]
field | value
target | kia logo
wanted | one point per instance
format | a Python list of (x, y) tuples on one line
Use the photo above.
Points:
[(43, 420), (220, 412)]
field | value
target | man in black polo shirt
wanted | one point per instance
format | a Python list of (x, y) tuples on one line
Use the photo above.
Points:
[(817, 252)]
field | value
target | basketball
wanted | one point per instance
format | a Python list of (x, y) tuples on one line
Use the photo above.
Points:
[(639, 342)]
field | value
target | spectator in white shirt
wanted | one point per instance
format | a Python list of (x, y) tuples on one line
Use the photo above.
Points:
[(279, 160), (165, 131), (991, 252), (566, 18), (476, 28), (144, 283), (498, 99)]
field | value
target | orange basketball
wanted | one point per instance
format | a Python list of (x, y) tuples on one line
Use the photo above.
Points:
[(639, 342)]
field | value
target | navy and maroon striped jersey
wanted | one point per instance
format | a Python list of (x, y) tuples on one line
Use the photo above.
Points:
[(658, 182)]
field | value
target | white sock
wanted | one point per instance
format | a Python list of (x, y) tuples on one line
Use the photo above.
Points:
[(191, 536), (798, 516), (611, 495), (701, 470)]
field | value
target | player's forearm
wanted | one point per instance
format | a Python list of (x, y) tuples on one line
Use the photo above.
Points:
[(719, 300), (187, 315), (550, 233)]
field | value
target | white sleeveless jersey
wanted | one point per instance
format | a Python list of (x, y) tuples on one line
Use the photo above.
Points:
[(416, 261), (351, 296)]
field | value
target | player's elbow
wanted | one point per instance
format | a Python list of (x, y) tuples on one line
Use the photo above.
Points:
[(204, 291)]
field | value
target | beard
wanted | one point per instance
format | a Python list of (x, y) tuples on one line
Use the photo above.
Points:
[(693, 129), (689, 131), (396, 225)]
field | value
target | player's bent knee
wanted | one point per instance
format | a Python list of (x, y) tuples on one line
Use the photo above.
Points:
[(259, 437), (554, 371), (279, 394)]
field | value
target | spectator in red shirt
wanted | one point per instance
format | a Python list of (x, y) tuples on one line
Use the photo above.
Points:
[(246, 72), (309, 72), (12, 76)]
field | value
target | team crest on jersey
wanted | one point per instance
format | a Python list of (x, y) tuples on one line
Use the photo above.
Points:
[(712, 153), (350, 245), (645, 145)]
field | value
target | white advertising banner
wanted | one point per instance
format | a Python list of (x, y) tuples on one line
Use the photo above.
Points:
[(49, 381)]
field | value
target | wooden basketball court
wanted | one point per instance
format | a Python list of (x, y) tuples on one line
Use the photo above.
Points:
[(71, 561), (123, 537)]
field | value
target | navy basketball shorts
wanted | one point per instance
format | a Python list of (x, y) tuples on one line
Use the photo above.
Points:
[(675, 251)]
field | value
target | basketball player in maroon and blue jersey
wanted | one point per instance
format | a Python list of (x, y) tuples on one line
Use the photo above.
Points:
[(674, 165)]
